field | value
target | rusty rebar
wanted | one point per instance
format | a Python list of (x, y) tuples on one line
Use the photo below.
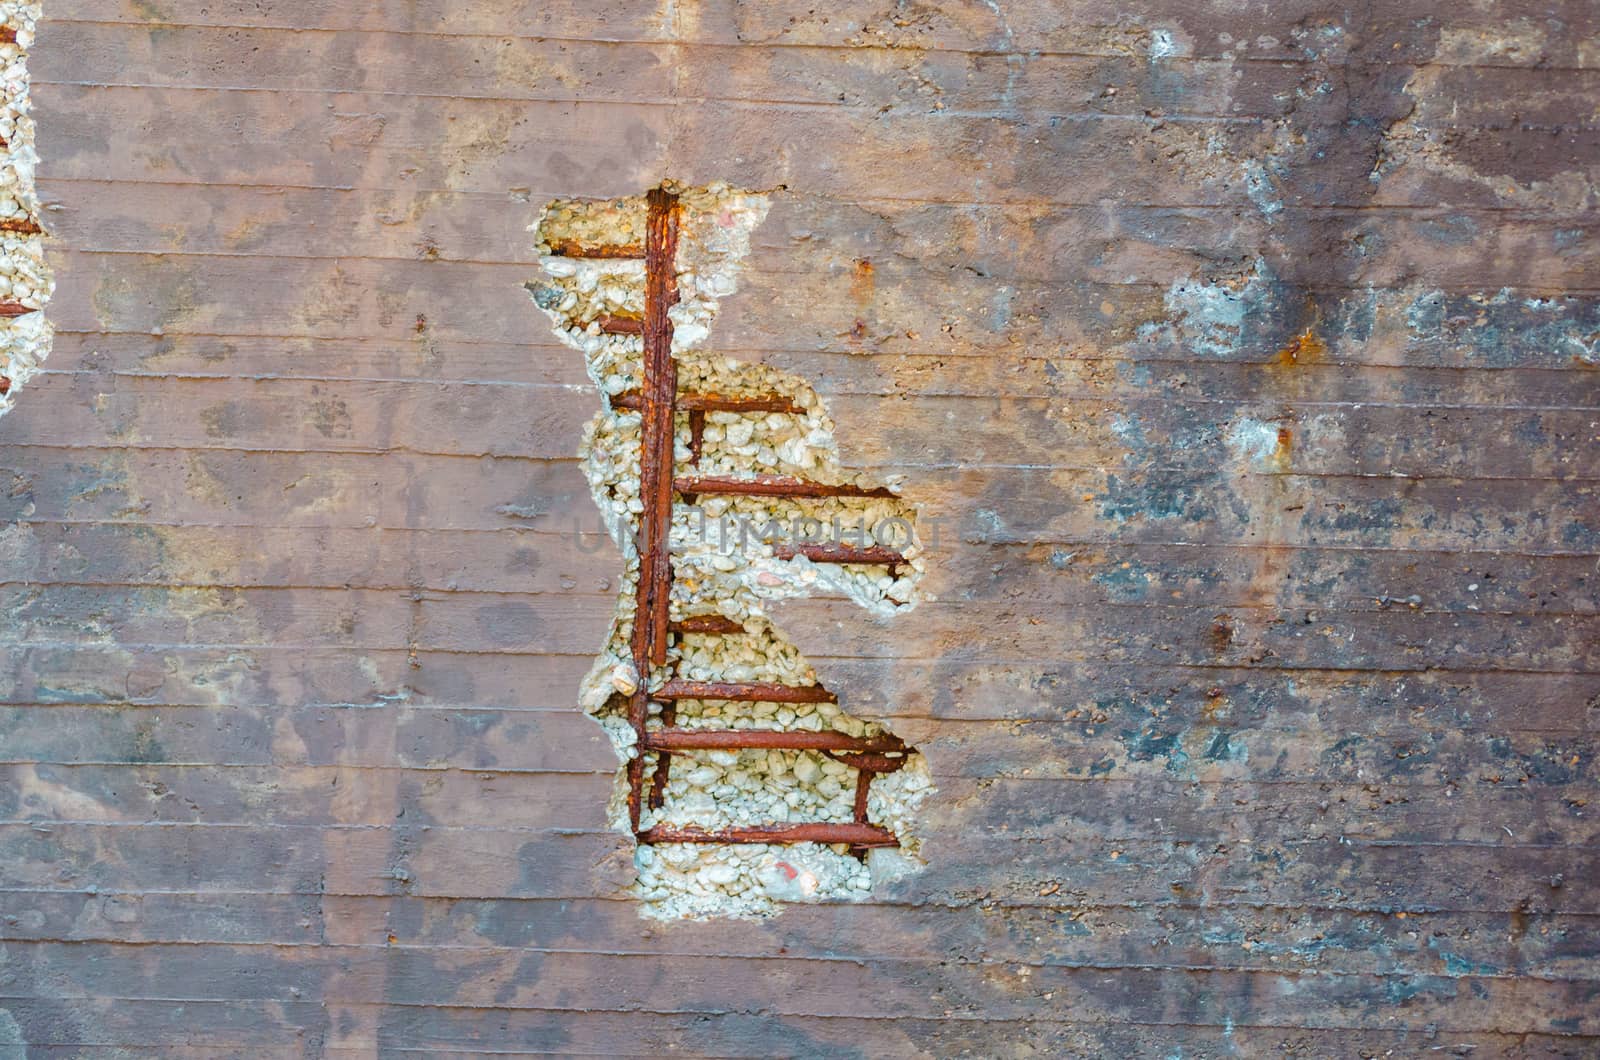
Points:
[(658, 783), (867, 762), (697, 434), (615, 324), (635, 773), (657, 402), (863, 791), (774, 486), (649, 642), (743, 692), (859, 809), (833, 552), (631, 399), (716, 625), (767, 739), (572, 248), (852, 833), (26, 226), (15, 309), (660, 399)]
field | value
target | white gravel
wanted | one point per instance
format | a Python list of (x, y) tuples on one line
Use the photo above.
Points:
[(723, 564), (24, 277)]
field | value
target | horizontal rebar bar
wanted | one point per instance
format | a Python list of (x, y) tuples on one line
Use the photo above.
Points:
[(743, 692), (631, 399), (769, 739), (611, 324), (774, 486), (870, 763), (829, 552), (714, 624), (856, 835), (15, 309), (572, 248)]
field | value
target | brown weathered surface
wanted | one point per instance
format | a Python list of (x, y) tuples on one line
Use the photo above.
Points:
[(1246, 356)]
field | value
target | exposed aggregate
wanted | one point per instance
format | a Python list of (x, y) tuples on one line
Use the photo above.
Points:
[(723, 563), (25, 279)]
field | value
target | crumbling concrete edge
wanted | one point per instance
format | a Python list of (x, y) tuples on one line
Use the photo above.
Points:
[(26, 283)]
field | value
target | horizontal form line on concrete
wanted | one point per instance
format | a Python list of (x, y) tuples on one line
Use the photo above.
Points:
[(1244, 208), (893, 906), (1287, 59), (1328, 606), (338, 949), (822, 657), (1271, 983), (1123, 399), (592, 536), (1198, 472), (923, 109), (518, 274), (1240, 207)]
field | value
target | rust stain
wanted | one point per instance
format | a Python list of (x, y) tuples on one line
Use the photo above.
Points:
[(1283, 451), (1304, 348), (862, 282), (256, 509), (1221, 633)]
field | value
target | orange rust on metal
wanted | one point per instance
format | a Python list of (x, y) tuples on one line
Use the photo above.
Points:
[(612, 324), (5, 385), (774, 486), (834, 552), (743, 692), (697, 434), (8, 35), (572, 248), (868, 762), (649, 643), (770, 739), (635, 772), (657, 402), (863, 793), (631, 399), (658, 783), (713, 624), (26, 226), (859, 809), (863, 784), (851, 833), (15, 309), (660, 398)]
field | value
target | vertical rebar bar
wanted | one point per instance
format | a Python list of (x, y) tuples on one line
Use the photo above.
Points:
[(660, 390)]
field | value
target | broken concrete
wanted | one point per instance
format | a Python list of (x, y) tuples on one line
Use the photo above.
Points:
[(25, 280), (729, 560)]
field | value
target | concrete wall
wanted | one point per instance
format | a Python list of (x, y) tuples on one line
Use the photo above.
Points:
[(1247, 353)]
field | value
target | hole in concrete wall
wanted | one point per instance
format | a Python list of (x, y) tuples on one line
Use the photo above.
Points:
[(25, 282), (744, 781)]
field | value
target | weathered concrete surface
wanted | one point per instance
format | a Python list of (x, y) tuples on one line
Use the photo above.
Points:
[(1248, 356)]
